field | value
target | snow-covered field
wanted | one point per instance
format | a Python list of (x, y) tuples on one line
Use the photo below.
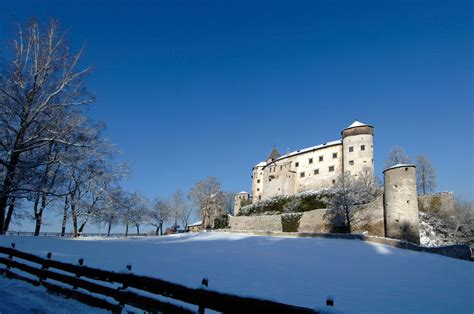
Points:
[(362, 277), (21, 297)]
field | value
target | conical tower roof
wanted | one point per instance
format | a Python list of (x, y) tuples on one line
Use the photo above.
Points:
[(274, 154)]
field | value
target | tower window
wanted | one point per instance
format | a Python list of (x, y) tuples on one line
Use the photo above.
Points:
[(351, 162), (316, 171), (331, 168), (258, 181), (334, 155), (362, 147), (311, 160), (297, 164), (351, 149), (258, 190), (301, 174), (320, 158)]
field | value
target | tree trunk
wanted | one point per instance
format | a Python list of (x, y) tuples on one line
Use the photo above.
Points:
[(11, 207), (37, 224), (157, 230), (126, 229), (7, 186), (81, 228), (74, 216), (63, 227), (110, 227), (138, 229)]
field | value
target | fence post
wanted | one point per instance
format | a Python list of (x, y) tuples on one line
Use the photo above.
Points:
[(10, 257), (204, 285), (81, 263), (330, 301)]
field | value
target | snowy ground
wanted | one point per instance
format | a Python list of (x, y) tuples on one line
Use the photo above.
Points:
[(21, 297), (362, 277)]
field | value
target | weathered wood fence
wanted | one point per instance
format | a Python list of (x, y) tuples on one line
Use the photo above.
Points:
[(112, 291)]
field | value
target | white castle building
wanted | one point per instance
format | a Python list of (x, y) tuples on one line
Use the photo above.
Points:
[(316, 167)]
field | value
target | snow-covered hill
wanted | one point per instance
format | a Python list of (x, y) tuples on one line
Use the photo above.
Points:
[(362, 277)]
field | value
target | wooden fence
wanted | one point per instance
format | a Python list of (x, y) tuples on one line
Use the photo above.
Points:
[(112, 290)]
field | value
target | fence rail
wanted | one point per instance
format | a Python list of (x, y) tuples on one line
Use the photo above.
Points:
[(117, 297), (71, 234)]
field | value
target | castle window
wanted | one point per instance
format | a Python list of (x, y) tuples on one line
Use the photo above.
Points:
[(320, 158), (258, 181), (331, 168), (351, 149), (311, 160), (297, 164), (258, 190), (333, 181), (351, 162), (281, 167), (316, 171), (259, 197), (334, 155), (362, 147), (301, 174)]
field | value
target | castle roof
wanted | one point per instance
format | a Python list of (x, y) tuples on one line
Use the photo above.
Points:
[(301, 151), (356, 124), (274, 154), (399, 166)]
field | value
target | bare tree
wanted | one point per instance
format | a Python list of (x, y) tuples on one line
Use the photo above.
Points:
[(158, 214), (462, 215), (397, 156), (425, 174), (209, 199), (40, 87), (139, 210), (350, 194)]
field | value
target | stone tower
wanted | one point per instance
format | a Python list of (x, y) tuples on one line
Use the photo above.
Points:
[(239, 198), (358, 150), (401, 203)]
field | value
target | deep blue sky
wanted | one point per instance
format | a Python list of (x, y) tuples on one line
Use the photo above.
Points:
[(190, 89)]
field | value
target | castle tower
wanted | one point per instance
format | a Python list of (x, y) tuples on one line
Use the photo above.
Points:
[(239, 199), (358, 150), (401, 203)]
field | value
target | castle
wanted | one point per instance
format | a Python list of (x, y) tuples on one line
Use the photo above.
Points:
[(394, 215), (313, 168)]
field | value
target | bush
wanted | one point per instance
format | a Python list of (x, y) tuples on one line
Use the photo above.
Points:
[(298, 203), (290, 222)]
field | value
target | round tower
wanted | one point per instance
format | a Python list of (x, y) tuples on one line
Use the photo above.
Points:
[(401, 203), (358, 150), (239, 199)]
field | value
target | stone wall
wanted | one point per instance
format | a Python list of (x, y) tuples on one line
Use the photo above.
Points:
[(441, 201), (260, 223), (368, 219)]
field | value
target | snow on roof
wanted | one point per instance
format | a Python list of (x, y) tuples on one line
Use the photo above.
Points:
[(243, 192), (301, 151), (197, 223), (399, 166), (356, 123)]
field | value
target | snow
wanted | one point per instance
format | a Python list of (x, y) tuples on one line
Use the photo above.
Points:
[(360, 276), (355, 124), (301, 151), (399, 166), (197, 223), (20, 297)]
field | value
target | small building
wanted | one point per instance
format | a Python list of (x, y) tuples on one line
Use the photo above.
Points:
[(195, 227)]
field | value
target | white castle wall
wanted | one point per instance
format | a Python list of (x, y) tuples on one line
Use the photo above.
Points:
[(304, 170)]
